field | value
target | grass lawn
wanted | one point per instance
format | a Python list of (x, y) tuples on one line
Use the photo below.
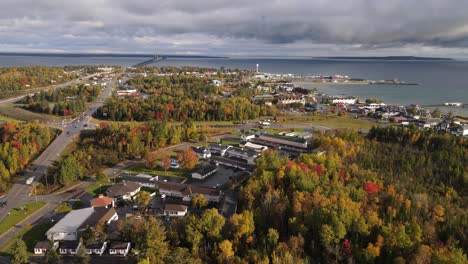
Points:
[(63, 208), (97, 188), (141, 168), (22, 114), (7, 119), (330, 120), (18, 215), (30, 235)]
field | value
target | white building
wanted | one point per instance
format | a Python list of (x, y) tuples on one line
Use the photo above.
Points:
[(67, 227), (175, 210), (347, 101), (204, 170), (217, 83)]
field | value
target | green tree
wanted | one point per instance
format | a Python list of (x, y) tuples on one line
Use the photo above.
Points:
[(199, 201), (19, 252), (180, 255), (154, 246), (212, 222), (143, 198), (52, 256), (81, 256)]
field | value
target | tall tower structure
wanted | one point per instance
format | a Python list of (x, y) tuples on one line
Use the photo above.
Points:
[(257, 67)]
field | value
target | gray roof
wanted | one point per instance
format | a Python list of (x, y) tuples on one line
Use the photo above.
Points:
[(72, 221), (121, 189)]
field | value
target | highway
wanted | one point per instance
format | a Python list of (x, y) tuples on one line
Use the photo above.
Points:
[(20, 191)]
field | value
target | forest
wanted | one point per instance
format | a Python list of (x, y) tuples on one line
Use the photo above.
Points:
[(179, 98), (395, 195), (20, 144), (65, 101), (20, 78)]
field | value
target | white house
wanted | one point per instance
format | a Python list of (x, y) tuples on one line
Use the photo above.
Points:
[(347, 100), (69, 247), (96, 248), (246, 155), (41, 247), (217, 83), (175, 210), (202, 152), (119, 248), (186, 192)]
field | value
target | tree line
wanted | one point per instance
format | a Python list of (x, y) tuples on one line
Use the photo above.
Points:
[(20, 78), (179, 98), (66, 101), (20, 144)]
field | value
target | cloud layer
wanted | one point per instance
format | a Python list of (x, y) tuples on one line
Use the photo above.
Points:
[(241, 27)]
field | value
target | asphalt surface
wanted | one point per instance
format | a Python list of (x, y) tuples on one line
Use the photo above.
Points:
[(20, 192)]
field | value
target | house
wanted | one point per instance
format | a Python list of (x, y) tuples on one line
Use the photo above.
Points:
[(119, 248), (69, 247), (102, 201), (143, 179), (218, 149), (97, 248), (78, 220), (67, 227), (124, 191), (175, 210), (244, 155), (41, 247), (186, 192), (202, 152), (247, 137), (204, 170)]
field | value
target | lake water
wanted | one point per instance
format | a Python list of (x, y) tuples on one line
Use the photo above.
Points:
[(439, 81)]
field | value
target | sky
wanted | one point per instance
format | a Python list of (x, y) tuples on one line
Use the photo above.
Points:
[(237, 28)]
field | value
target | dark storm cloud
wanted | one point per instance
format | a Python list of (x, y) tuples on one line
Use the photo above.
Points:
[(236, 27)]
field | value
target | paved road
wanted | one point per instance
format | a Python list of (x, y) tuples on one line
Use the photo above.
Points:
[(20, 191), (52, 87)]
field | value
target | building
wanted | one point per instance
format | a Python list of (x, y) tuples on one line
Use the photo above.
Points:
[(69, 247), (145, 180), (68, 228), (219, 149), (41, 247), (186, 192), (244, 155), (292, 100), (204, 170), (119, 248), (217, 83), (255, 147), (175, 210), (277, 140), (102, 201), (346, 100), (97, 248), (202, 152), (124, 191), (247, 137)]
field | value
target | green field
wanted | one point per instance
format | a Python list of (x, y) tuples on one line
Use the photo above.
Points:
[(22, 114), (30, 235), (330, 120), (17, 215), (141, 168), (97, 188)]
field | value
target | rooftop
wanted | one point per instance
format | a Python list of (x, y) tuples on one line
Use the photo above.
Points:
[(68, 244), (121, 189), (97, 245), (71, 221), (43, 244), (101, 201), (100, 214), (205, 168), (294, 139), (119, 245), (175, 207)]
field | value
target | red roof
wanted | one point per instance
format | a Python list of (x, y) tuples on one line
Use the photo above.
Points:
[(101, 201)]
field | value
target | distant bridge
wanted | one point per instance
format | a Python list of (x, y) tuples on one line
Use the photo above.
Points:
[(155, 59)]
